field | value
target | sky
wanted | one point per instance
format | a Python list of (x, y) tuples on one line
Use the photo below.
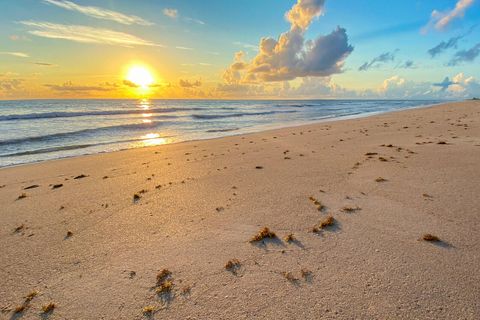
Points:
[(250, 49)]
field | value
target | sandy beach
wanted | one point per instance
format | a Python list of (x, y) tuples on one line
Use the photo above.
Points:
[(168, 232)]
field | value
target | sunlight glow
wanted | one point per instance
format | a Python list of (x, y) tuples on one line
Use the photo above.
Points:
[(140, 76)]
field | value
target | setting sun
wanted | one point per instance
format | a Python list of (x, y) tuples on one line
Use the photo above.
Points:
[(140, 76)]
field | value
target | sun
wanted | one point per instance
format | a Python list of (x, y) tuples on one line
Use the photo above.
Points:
[(140, 76)]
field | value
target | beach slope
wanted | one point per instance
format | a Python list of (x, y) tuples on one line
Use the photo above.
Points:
[(370, 218)]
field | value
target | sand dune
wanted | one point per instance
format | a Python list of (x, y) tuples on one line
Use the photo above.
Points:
[(353, 209)]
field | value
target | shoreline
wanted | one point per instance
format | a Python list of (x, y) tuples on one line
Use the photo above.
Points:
[(264, 128), (368, 218), (239, 99)]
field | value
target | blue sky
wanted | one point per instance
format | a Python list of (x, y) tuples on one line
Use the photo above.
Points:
[(189, 47)]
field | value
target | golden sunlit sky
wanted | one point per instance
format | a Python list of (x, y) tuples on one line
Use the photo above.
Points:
[(251, 49)]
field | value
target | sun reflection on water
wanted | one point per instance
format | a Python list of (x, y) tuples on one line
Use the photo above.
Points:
[(147, 115), (154, 139), (151, 136), (144, 104)]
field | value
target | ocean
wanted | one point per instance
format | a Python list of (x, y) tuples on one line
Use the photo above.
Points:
[(38, 130)]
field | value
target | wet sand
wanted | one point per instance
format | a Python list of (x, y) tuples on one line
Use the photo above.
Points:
[(347, 205)]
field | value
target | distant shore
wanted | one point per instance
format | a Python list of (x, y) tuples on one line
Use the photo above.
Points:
[(367, 218)]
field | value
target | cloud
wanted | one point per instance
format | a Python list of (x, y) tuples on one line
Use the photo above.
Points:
[(469, 86), (240, 90), (45, 64), (397, 87), (303, 13), (183, 48), (130, 84), (392, 82), (450, 43), (171, 13), (160, 85), (456, 87), (246, 45), (9, 85), (70, 87), (465, 55), (291, 56), (444, 84), (15, 37), (409, 64), (195, 21), (393, 87), (99, 13), (460, 85), (375, 62), (441, 20), (189, 84), (110, 84), (444, 45), (311, 88), (15, 54), (84, 34)]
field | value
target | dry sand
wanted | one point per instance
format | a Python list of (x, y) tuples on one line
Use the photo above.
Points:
[(201, 202)]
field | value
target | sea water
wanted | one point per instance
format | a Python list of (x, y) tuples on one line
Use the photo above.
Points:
[(37, 130)]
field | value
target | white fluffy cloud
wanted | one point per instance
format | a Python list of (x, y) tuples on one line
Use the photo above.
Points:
[(441, 20), (392, 82), (394, 87), (303, 12), (291, 55), (171, 13), (460, 86)]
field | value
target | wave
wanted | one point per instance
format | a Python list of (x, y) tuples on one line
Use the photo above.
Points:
[(71, 134), (46, 150), (236, 115), (70, 147), (222, 130), (296, 105), (59, 114)]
